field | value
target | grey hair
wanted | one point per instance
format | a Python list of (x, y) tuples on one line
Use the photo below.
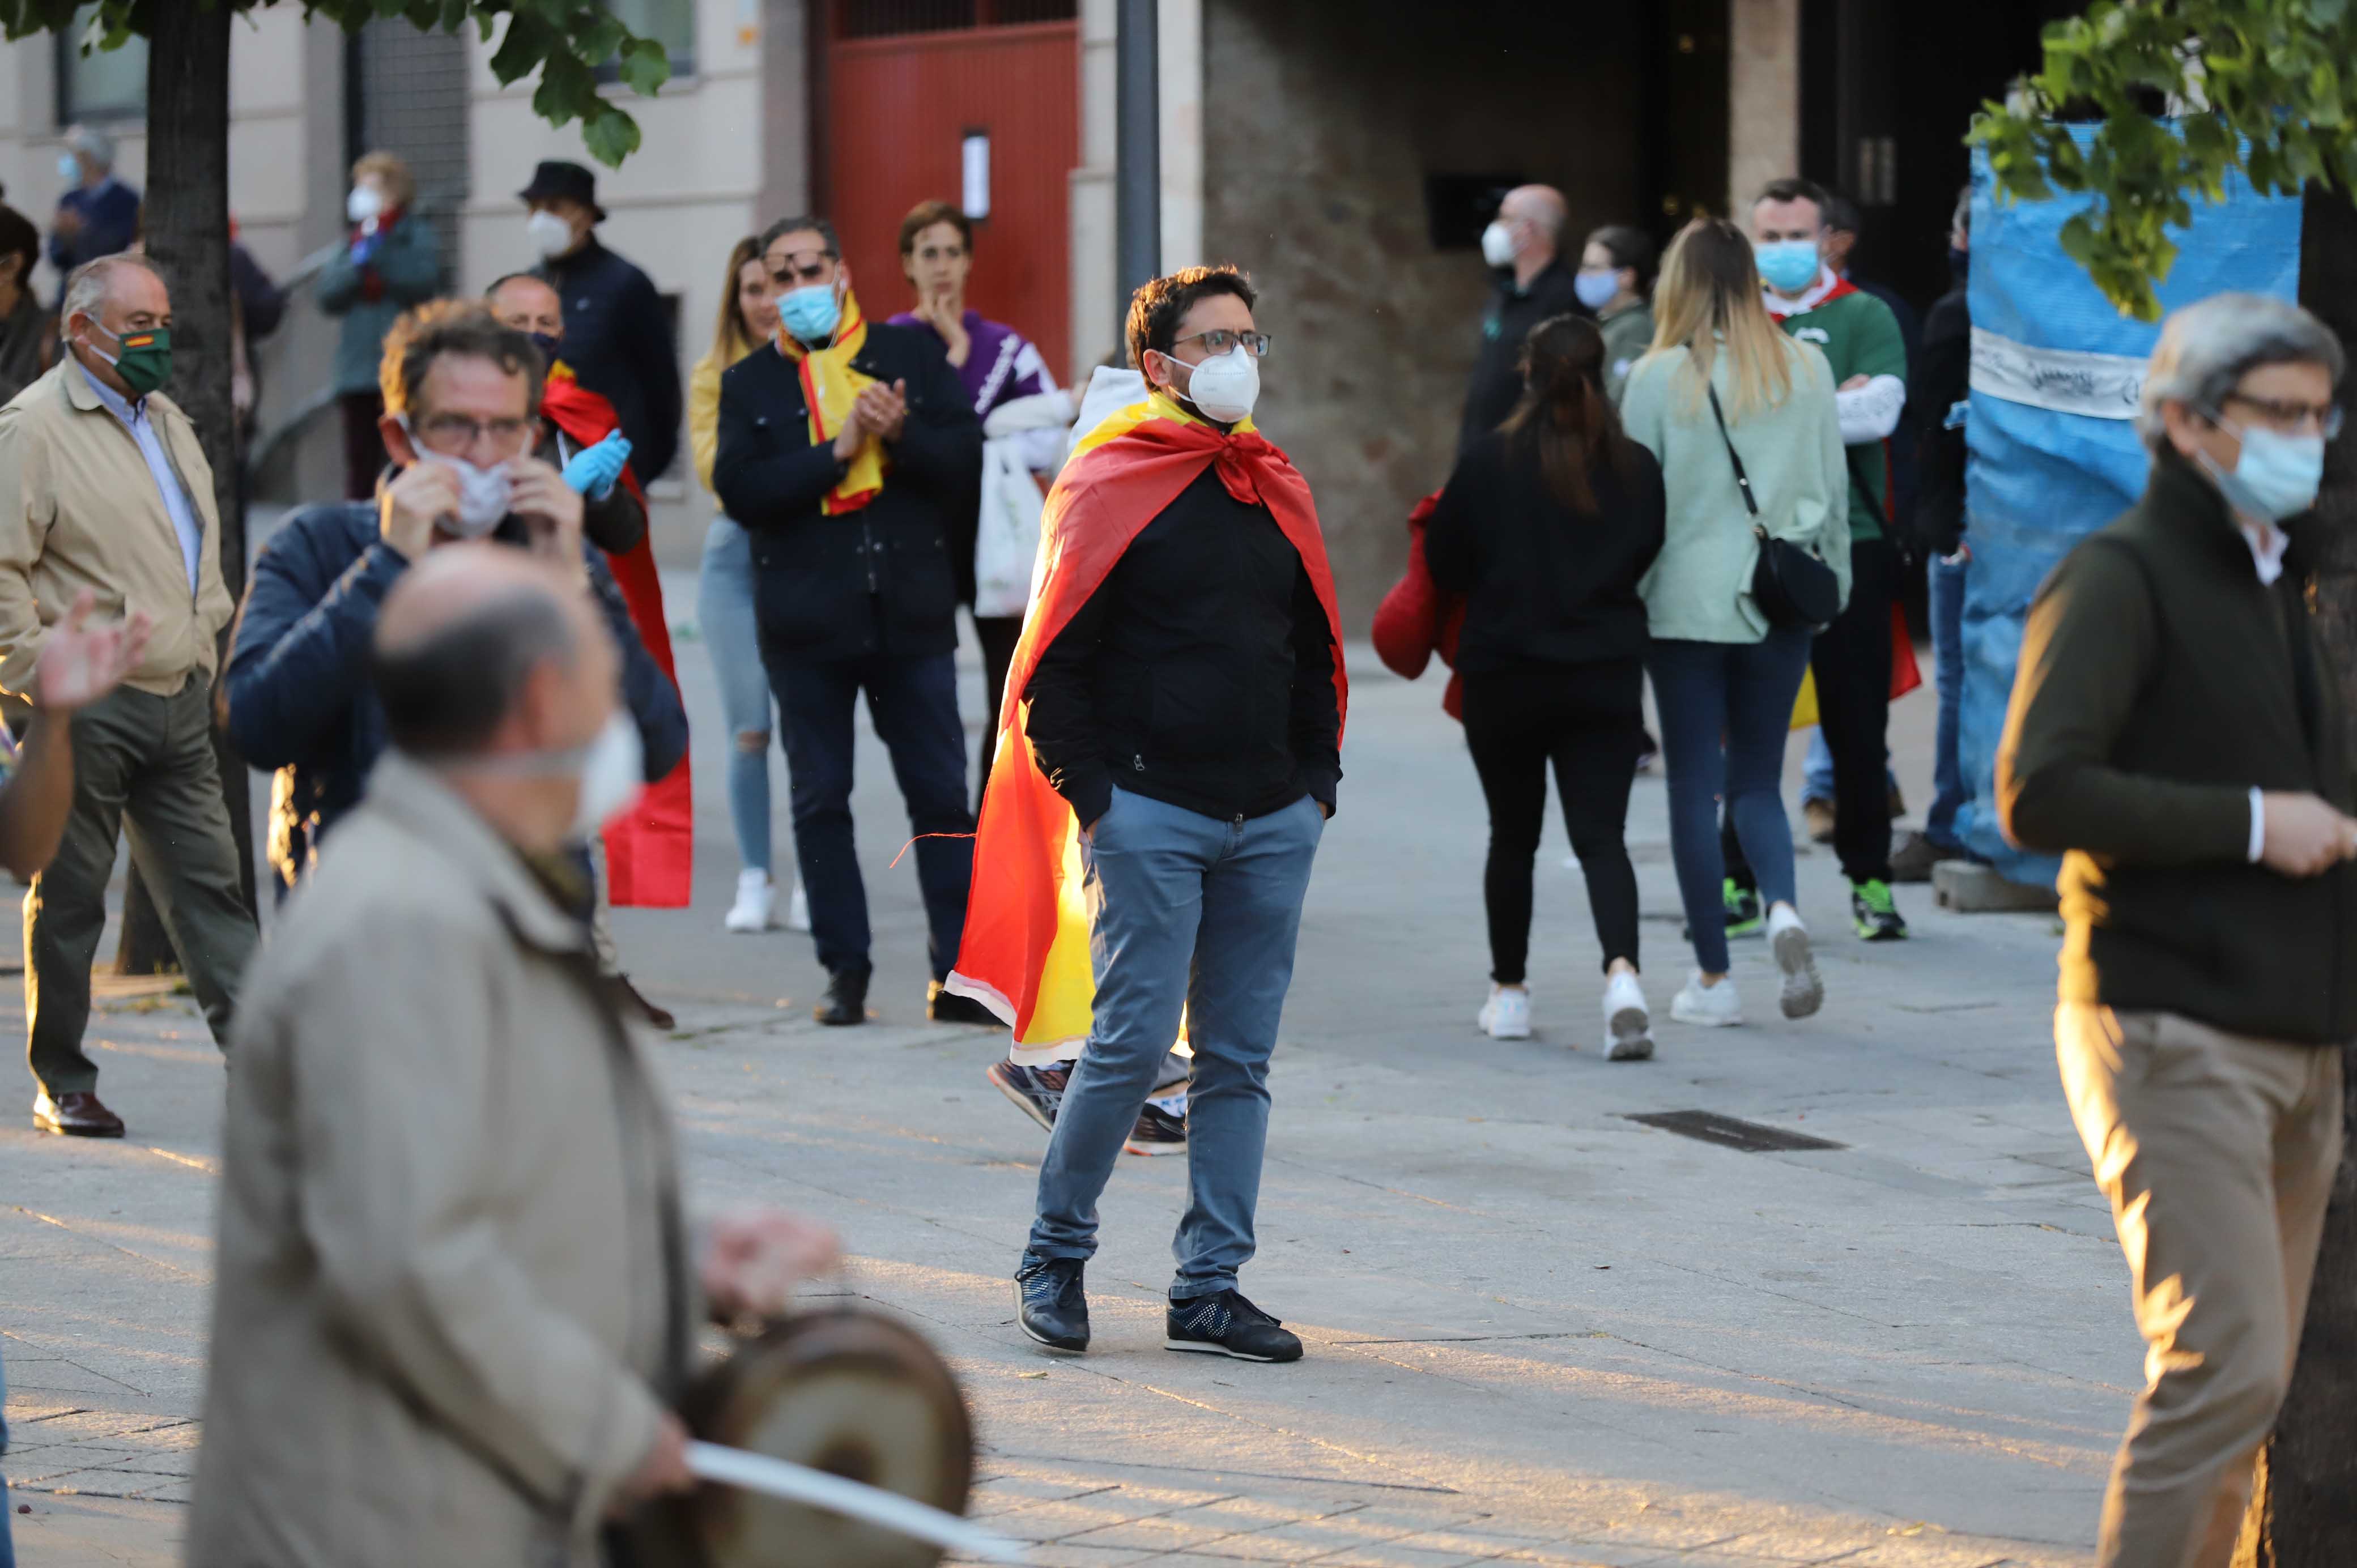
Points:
[(86, 285), (2207, 348), (92, 143)]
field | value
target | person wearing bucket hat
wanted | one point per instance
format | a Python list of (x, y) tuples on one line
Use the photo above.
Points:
[(617, 333)]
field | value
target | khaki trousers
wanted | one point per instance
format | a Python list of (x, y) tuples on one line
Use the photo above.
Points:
[(2218, 1152)]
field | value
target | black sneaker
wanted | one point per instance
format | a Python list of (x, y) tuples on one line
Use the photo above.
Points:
[(1050, 1304), (1156, 1133), (1225, 1324), (1876, 912), (945, 1007), (1037, 1091), (1745, 915), (846, 998)]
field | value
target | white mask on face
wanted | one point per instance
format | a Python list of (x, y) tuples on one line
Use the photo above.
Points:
[(365, 204), (483, 493), (1497, 243), (1225, 386), (551, 236), (613, 775)]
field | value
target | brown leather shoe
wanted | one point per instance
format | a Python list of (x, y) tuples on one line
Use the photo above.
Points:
[(628, 997), (76, 1116), (1819, 816)]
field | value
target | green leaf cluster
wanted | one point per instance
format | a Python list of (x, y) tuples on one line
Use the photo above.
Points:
[(2268, 87), (563, 42)]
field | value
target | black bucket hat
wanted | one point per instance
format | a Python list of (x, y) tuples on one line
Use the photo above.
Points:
[(556, 178)]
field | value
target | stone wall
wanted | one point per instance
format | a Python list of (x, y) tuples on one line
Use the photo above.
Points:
[(1321, 120)]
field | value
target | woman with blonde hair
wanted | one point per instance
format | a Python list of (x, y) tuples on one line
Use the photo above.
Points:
[(1755, 554), (724, 601)]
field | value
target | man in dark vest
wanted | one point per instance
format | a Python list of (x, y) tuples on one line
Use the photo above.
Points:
[(2176, 735)]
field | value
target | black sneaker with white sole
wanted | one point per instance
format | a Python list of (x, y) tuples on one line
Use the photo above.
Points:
[(1156, 1133), (1037, 1091), (1225, 1324), (1050, 1304)]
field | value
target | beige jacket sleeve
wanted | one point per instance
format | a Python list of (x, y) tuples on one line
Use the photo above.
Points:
[(704, 416), (27, 510), (410, 1265)]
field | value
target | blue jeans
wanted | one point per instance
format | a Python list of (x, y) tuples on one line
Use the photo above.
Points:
[(1948, 790), (913, 703), (1193, 917), (723, 603), (1742, 692)]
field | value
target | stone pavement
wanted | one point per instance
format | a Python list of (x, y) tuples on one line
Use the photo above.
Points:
[(1539, 1332)]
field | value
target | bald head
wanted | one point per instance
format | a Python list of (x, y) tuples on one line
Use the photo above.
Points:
[(1534, 215), (527, 303), (482, 649)]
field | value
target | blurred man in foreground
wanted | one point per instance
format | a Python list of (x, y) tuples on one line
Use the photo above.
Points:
[(454, 1295)]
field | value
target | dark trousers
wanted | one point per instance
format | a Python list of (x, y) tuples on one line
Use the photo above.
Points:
[(913, 703), (1588, 721), (145, 763), (364, 455), (998, 635)]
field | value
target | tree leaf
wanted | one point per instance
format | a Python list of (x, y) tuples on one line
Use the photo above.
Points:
[(645, 67), (611, 134)]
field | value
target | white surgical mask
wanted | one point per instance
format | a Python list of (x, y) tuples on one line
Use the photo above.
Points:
[(482, 492), (365, 203), (613, 775), (1497, 243), (1225, 386), (551, 236), (2277, 476)]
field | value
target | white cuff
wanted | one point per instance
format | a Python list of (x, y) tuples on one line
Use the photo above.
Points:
[(2258, 824), (1871, 413)]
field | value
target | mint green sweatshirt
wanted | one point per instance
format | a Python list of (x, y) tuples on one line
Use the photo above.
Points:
[(1699, 589)]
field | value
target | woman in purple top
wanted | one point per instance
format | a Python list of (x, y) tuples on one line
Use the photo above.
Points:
[(998, 366)]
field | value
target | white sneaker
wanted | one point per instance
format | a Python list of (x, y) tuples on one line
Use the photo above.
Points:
[(1804, 992), (1507, 1014), (798, 909), (757, 899), (1628, 1024), (1712, 1006)]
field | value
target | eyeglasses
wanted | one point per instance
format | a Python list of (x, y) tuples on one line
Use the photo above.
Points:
[(1219, 340), (2294, 418), (811, 269), (456, 432)]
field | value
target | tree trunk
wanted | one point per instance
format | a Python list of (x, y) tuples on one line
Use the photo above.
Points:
[(2304, 1511), (186, 223)]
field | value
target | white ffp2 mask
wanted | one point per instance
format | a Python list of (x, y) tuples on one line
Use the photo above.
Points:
[(1225, 386)]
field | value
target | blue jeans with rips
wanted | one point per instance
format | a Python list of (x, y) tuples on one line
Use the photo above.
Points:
[(1192, 917)]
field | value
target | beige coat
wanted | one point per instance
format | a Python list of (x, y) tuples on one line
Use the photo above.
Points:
[(79, 509), (451, 1276)]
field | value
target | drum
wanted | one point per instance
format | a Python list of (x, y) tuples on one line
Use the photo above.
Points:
[(847, 1391)]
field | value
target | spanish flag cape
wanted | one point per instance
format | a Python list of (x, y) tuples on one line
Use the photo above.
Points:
[(651, 848), (1026, 950)]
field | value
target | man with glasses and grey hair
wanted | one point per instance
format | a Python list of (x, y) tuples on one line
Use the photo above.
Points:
[(2176, 735)]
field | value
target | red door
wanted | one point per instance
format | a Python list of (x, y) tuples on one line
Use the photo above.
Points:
[(899, 109)]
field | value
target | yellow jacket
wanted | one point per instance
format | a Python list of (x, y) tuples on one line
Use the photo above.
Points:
[(79, 509), (704, 410)]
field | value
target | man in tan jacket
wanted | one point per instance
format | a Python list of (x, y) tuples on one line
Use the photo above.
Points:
[(453, 1297), (103, 487)]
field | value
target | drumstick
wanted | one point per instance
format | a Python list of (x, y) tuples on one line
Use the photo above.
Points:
[(799, 1484)]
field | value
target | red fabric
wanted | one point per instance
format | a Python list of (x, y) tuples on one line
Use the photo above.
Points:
[(1103, 500), (1905, 673), (651, 848), (1841, 286), (1416, 619)]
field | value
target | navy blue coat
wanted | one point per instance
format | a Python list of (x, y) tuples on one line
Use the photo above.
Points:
[(296, 692)]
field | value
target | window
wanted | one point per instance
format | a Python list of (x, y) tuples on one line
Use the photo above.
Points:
[(671, 22), (884, 19), (104, 84)]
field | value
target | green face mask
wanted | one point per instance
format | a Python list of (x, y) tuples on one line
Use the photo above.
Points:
[(146, 363)]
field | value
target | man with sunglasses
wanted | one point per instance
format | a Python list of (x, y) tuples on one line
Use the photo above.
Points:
[(462, 395), (849, 451), (2177, 734)]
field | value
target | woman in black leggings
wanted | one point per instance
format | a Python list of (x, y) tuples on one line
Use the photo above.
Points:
[(1545, 527)]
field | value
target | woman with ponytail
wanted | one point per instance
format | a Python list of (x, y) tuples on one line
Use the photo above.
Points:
[(1547, 527)]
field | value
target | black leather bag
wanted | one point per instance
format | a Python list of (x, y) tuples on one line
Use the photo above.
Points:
[(1792, 586)]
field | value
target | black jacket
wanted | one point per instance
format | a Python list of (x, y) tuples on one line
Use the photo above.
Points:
[(617, 339), (1200, 673), (882, 579), (296, 692), (1497, 384), (1543, 583), (2160, 682), (1941, 380)]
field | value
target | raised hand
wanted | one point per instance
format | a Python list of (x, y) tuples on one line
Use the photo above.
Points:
[(80, 663), (594, 469)]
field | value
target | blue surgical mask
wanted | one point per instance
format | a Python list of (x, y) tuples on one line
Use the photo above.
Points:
[(1788, 266), (811, 312), (1595, 290), (70, 168), (2276, 477)]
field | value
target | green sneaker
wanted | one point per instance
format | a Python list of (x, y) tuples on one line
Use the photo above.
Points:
[(1876, 912), (1745, 917)]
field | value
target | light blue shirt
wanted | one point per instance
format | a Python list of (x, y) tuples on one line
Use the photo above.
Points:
[(159, 467)]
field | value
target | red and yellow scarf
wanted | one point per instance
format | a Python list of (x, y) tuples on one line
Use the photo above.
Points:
[(830, 386)]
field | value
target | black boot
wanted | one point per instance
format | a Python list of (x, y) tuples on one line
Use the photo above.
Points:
[(847, 997)]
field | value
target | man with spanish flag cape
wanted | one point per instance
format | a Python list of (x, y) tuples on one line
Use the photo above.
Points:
[(1168, 757)]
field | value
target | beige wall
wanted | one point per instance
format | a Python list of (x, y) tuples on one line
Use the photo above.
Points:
[(1763, 110)]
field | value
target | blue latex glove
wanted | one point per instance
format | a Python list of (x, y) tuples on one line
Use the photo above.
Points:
[(594, 469)]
